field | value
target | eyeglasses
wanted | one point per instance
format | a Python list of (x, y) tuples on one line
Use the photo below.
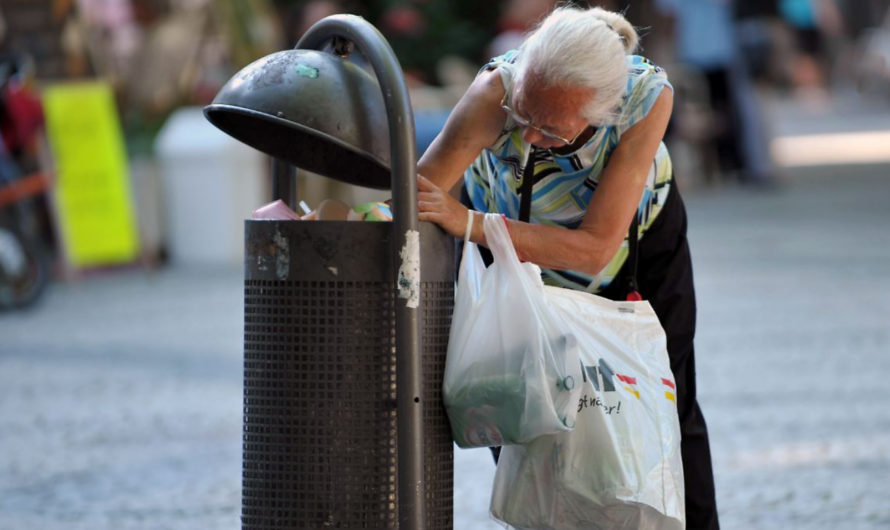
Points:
[(525, 123)]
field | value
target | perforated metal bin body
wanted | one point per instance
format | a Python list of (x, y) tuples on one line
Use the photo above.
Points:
[(320, 420)]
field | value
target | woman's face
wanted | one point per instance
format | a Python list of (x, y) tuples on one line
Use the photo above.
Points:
[(549, 116)]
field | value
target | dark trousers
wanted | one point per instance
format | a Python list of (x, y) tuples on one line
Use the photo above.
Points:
[(665, 279), (728, 136)]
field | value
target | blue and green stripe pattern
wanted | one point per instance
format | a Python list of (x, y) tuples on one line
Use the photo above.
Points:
[(565, 184)]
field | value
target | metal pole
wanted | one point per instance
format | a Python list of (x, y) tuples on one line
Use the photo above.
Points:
[(404, 194), (284, 182)]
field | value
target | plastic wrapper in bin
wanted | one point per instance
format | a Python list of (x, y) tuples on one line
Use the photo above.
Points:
[(620, 468), (513, 371), (276, 211), (371, 211)]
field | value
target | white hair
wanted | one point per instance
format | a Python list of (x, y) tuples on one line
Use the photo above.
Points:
[(582, 48)]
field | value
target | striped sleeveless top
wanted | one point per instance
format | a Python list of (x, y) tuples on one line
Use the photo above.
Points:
[(564, 184)]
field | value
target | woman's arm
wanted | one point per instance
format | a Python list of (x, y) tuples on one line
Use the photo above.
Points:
[(474, 124), (592, 245)]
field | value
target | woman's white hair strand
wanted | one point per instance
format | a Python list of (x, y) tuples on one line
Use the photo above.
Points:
[(582, 48)]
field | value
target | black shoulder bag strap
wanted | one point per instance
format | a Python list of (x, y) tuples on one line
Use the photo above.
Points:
[(633, 244), (633, 258), (525, 192)]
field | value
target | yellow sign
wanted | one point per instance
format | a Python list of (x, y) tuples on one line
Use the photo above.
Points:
[(93, 200)]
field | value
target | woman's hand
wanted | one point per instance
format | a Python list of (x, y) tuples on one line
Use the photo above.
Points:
[(439, 207)]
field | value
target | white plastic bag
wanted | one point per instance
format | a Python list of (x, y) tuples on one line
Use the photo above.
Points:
[(513, 372), (620, 468)]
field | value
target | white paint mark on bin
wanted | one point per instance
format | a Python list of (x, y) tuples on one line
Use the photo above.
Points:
[(409, 271), (282, 256)]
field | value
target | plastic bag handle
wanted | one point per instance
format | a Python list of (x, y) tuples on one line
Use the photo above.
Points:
[(471, 261), (469, 232), (498, 238), (469, 247)]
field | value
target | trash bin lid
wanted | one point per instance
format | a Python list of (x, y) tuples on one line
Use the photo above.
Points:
[(316, 110)]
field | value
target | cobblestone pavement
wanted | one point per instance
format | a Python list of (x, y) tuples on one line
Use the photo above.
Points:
[(120, 396)]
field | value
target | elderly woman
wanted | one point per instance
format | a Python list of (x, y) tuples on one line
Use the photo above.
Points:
[(573, 122)]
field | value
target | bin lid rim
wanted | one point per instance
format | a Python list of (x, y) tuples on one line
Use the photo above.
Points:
[(234, 109)]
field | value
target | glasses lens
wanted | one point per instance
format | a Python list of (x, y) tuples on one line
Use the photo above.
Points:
[(519, 119), (522, 122), (552, 136)]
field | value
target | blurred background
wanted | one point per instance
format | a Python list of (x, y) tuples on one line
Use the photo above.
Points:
[(121, 243)]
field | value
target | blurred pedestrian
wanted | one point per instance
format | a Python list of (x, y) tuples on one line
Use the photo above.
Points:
[(564, 138), (705, 40), (517, 17), (810, 21), (755, 21)]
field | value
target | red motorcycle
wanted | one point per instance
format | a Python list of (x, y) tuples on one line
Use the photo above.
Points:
[(25, 260)]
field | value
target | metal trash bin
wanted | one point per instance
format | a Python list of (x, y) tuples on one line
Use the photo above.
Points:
[(345, 334), (320, 420)]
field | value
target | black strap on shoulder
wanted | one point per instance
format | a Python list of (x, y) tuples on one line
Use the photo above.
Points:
[(633, 256), (525, 191)]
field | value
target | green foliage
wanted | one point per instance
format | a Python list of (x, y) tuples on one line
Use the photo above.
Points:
[(462, 28)]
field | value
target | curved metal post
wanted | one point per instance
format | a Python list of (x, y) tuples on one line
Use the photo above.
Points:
[(376, 50), (284, 182)]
